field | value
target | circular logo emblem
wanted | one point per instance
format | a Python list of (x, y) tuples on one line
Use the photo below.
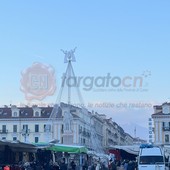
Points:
[(38, 81)]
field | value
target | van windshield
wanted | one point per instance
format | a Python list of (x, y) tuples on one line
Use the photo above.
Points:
[(151, 160)]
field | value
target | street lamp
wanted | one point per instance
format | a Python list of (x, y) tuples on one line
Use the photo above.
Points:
[(25, 132)]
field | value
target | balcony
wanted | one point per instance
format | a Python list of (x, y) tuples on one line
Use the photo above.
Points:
[(80, 130), (122, 139), (116, 135), (109, 132), (3, 131), (110, 141), (86, 134), (166, 128)]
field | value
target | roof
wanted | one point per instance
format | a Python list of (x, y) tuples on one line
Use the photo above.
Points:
[(160, 114), (166, 103), (28, 112)]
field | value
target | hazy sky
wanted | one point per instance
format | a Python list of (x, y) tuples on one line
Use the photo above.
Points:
[(125, 39)]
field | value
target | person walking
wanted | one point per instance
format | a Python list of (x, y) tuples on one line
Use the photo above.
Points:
[(98, 166), (131, 166), (63, 165), (125, 165), (73, 165), (112, 165)]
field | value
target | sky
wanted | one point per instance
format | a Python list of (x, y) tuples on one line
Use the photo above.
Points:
[(121, 39)]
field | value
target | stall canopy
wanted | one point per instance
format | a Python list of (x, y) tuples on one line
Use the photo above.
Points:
[(68, 148), (132, 149), (42, 145), (45, 145), (18, 146)]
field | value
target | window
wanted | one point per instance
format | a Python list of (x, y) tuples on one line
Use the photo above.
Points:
[(15, 114), (14, 138), (14, 128), (80, 129), (36, 128), (62, 128), (25, 127), (3, 138), (36, 139), (166, 138), (166, 124), (37, 114), (151, 160), (4, 128)]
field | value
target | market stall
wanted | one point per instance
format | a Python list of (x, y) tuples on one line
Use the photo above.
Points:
[(70, 153), (15, 152), (124, 152)]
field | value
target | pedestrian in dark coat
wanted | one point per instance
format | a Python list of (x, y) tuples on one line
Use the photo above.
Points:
[(73, 165), (131, 166), (112, 165), (63, 165)]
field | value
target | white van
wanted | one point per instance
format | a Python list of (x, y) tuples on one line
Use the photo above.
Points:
[(151, 158)]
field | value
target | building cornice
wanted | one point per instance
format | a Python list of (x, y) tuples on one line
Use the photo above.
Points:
[(161, 116)]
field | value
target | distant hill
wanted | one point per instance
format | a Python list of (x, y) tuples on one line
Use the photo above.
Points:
[(141, 132)]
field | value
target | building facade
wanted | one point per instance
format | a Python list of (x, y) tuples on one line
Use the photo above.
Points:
[(81, 127), (110, 131), (161, 119)]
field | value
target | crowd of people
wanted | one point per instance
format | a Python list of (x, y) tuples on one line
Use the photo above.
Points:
[(95, 165), (72, 164), (113, 165)]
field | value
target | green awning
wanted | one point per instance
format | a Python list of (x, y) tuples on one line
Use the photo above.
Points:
[(68, 148)]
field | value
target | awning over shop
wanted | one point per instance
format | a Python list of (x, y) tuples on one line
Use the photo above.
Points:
[(68, 148), (97, 156), (132, 149)]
